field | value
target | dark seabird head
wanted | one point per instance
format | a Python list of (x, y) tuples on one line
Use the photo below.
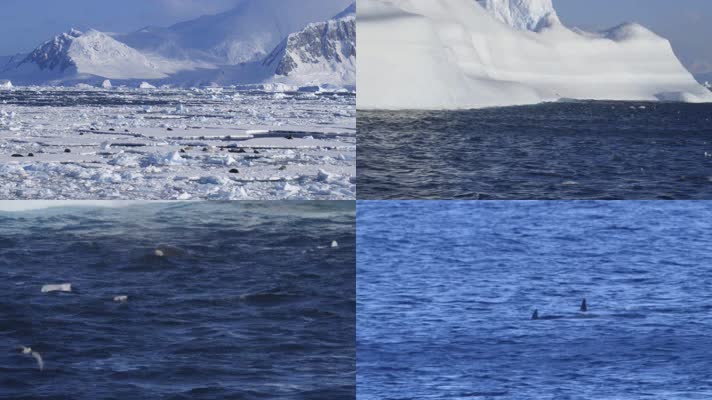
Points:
[(535, 316), (584, 307)]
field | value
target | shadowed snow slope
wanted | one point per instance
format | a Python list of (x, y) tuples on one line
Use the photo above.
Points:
[(444, 54)]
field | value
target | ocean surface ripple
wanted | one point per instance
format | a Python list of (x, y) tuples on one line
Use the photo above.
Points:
[(574, 151), (446, 291)]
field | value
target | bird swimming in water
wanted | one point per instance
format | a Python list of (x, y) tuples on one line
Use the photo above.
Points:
[(334, 244), (121, 299), (35, 355), (159, 253), (584, 306)]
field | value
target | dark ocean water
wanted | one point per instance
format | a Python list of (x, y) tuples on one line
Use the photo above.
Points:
[(249, 302), (71, 97), (446, 291), (588, 150)]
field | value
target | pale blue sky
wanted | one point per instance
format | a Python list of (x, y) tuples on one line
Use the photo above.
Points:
[(687, 23), (27, 23), (24, 24)]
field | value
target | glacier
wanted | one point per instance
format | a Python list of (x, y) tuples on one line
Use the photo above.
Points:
[(459, 54)]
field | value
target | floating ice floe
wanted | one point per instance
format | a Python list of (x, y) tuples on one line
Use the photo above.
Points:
[(63, 287), (172, 158), (324, 176)]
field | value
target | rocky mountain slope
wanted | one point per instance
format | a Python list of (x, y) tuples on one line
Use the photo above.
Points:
[(324, 51)]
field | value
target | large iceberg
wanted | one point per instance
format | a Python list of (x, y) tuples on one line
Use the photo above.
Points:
[(451, 54)]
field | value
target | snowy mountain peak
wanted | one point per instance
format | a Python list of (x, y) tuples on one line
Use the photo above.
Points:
[(349, 11), (53, 54), (91, 53), (323, 52), (526, 15)]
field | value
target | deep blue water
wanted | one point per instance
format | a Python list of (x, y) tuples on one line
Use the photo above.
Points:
[(249, 302), (446, 291), (588, 150)]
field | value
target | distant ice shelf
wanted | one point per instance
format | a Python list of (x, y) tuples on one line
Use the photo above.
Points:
[(458, 54)]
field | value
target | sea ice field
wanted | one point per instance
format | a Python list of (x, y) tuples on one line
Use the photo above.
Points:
[(185, 144)]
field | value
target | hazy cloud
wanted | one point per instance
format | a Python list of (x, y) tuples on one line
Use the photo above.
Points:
[(191, 8)]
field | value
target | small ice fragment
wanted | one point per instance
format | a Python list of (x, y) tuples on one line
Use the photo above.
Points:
[(64, 287), (323, 176), (287, 187)]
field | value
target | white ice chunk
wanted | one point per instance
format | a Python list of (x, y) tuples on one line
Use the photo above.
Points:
[(64, 287)]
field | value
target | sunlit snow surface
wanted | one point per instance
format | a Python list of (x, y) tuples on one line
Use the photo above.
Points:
[(176, 144)]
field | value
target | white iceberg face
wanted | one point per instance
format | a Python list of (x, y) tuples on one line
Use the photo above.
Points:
[(449, 54)]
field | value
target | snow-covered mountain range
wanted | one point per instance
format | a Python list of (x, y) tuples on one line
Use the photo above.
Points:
[(435, 54), (258, 41), (321, 52)]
